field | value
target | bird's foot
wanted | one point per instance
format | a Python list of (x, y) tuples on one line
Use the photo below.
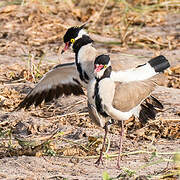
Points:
[(118, 165), (99, 161)]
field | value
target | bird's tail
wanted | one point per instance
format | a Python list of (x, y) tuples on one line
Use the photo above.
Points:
[(159, 63)]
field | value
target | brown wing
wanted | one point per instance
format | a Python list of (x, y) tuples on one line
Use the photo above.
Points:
[(129, 95), (62, 79)]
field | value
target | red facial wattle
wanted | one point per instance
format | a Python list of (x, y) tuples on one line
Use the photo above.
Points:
[(67, 45), (98, 68)]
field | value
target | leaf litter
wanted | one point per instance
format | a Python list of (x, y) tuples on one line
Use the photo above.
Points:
[(25, 31)]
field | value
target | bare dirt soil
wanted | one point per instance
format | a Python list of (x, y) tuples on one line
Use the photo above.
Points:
[(58, 140)]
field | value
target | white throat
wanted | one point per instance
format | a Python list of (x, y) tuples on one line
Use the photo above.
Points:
[(101, 72)]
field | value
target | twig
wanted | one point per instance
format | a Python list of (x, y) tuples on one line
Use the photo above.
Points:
[(98, 16), (123, 154), (57, 163), (69, 114), (166, 175), (108, 146), (4, 122), (174, 120), (14, 82), (144, 152), (76, 103), (156, 162), (73, 113), (62, 25), (170, 3), (35, 141), (72, 142), (7, 121), (58, 176), (153, 40)]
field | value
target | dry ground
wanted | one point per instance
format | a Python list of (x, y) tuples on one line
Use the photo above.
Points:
[(58, 140)]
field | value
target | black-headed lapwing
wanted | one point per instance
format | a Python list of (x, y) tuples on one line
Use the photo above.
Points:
[(69, 78), (110, 100)]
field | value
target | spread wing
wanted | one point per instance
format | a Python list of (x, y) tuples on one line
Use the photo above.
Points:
[(62, 79)]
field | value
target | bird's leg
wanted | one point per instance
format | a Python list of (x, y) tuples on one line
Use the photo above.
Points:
[(120, 144), (104, 140)]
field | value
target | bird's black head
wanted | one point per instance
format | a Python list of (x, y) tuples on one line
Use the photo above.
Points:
[(72, 34), (102, 66), (102, 59)]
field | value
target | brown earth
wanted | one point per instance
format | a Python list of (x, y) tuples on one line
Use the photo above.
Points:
[(58, 140)]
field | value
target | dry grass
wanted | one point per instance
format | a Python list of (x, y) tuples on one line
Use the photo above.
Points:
[(30, 28)]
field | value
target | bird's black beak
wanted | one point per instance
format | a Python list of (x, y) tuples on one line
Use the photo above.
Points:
[(67, 45)]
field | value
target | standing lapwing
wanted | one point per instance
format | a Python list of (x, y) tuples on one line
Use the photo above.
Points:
[(109, 100), (69, 78)]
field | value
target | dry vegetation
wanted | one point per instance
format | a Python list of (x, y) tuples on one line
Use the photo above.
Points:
[(31, 34)]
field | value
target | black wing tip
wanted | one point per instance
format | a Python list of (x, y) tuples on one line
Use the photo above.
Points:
[(159, 63), (156, 102), (146, 113), (24, 104), (63, 65), (149, 109), (49, 95), (20, 106)]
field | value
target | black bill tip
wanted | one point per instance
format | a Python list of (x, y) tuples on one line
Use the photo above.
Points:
[(62, 51)]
